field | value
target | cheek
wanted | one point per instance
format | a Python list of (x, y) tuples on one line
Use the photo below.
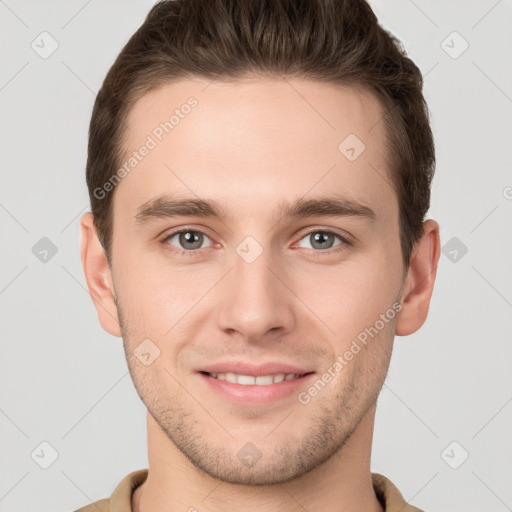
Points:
[(349, 297), (155, 294)]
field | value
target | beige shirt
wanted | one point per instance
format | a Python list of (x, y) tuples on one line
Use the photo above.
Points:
[(121, 499)]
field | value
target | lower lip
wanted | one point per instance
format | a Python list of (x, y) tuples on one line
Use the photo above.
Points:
[(256, 394)]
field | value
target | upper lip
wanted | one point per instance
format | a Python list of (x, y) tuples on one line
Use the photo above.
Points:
[(243, 368)]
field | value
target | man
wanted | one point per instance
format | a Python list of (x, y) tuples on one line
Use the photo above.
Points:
[(259, 175)]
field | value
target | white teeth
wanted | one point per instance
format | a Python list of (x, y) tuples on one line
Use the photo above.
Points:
[(246, 380), (249, 380), (264, 380)]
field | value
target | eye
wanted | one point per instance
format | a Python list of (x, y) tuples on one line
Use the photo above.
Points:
[(322, 240), (187, 240)]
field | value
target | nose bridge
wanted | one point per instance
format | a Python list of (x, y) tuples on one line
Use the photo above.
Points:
[(254, 300)]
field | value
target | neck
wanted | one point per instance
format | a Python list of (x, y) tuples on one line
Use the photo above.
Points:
[(341, 484)]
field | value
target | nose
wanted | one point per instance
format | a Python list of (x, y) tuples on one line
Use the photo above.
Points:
[(254, 301)]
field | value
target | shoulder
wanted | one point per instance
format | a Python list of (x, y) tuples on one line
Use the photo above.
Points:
[(120, 500), (97, 506), (389, 495)]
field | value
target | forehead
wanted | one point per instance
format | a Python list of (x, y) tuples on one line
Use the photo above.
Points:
[(254, 140)]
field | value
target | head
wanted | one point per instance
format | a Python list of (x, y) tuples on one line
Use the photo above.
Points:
[(291, 139)]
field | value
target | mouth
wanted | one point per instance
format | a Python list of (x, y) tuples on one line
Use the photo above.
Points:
[(259, 380), (254, 390)]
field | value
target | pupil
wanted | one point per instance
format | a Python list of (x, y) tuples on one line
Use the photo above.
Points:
[(191, 237), (322, 239)]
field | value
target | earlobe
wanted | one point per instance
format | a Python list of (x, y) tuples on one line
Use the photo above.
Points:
[(98, 276), (419, 282)]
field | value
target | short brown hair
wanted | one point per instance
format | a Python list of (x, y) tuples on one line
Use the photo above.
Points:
[(332, 41)]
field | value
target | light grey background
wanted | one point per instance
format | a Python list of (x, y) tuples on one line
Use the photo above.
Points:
[(64, 381)]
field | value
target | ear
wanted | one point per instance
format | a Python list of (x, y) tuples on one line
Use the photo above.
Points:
[(98, 276), (419, 282)]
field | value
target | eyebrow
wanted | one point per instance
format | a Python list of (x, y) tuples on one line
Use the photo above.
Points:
[(165, 206)]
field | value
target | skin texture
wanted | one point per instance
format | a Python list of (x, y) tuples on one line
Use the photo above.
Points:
[(250, 145)]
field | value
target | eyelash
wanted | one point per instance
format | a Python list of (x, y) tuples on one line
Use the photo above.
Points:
[(316, 253)]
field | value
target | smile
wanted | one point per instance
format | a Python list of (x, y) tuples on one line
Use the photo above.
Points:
[(250, 380)]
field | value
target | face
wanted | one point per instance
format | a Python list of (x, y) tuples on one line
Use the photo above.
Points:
[(235, 309)]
